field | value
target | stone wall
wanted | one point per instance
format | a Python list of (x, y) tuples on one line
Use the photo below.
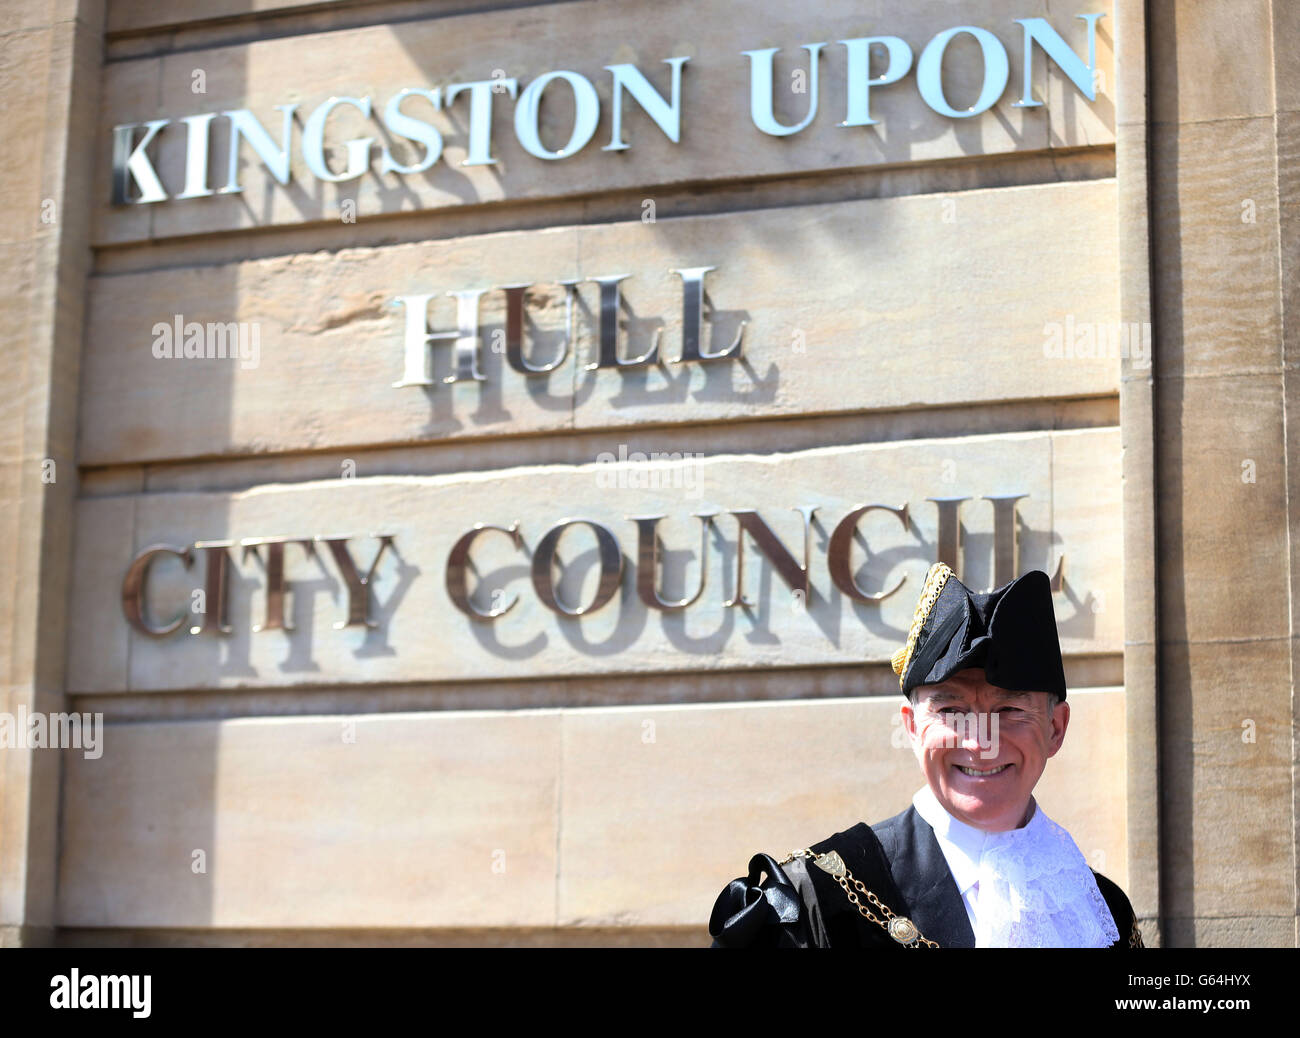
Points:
[(923, 315)]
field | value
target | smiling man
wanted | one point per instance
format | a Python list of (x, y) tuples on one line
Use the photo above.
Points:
[(953, 725), (974, 862)]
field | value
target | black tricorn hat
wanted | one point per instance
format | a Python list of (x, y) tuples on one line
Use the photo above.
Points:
[(1010, 632)]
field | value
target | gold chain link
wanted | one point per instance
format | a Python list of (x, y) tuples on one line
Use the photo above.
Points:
[(844, 880)]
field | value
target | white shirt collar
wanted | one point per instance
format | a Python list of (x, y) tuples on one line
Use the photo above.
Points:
[(961, 844)]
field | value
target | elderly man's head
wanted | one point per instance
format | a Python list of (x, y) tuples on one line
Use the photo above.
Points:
[(986, 786)]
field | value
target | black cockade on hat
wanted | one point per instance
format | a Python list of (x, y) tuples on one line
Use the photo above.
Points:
[(1010, 632)]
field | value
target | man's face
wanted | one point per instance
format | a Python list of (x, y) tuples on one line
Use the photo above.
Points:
[(1027, 733)]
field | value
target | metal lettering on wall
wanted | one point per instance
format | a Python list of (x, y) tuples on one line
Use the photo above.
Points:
[(465, 339), (136, 179), (793, 570)]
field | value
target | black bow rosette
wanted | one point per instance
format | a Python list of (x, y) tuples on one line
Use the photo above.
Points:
[(752, 914)]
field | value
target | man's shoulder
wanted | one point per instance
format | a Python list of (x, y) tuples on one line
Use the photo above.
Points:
[(901, 820), (904, 821), (898, 833), (1121, 910), (888, 835), (854, 834), (873, 849)]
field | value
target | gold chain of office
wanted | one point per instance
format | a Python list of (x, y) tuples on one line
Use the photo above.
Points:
[(899, 927)]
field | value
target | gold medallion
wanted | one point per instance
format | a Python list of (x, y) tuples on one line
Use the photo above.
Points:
[(903, 930)]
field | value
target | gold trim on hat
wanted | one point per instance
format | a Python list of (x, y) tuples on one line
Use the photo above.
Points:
[(934, 582)]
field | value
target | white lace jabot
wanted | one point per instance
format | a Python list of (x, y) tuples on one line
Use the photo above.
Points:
[(1035, 889)]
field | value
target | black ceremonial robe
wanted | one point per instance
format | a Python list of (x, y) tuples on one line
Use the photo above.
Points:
[(799, 905)]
